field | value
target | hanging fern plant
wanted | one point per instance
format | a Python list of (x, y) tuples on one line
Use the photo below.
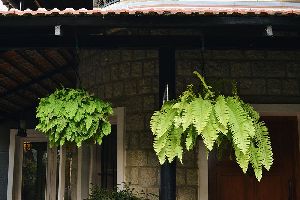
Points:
[(73, 116), (215, 119)]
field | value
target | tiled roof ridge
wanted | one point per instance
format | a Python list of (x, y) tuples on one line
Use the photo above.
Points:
[(160, 9)]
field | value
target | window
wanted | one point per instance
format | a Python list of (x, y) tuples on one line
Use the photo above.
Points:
[(37, 172)]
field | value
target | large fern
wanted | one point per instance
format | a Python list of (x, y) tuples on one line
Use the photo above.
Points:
[(215, 119)]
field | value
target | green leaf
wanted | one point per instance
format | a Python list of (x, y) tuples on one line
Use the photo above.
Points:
[(200, 111)]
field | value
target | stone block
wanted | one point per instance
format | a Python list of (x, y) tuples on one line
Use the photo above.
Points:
[(124, 70), (192, 177), (274, 86), (108, 91), (152, 193), (126, 55), (254, 55), (152, 159), (189, 159), (180, 176), (252, 86), (136, 69), (149, 102), (149, 68), (290, 87), (133, 104), (130, 87), (135, 122), (241, 69), (136, 158), (132, 175), (106, 74), (281, 55), (152, 53), (148, 176), (217, 69), (118, 89), (115, 74), (134, 140), (146, 140), (187, 193), (139, 54), (293, 69), (144, 86), (268, 69)]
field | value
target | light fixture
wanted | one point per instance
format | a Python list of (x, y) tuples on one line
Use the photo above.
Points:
[(27, 146), (57, 30), (269, 30)]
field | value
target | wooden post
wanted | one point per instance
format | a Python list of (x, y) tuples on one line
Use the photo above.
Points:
[(167, 80)]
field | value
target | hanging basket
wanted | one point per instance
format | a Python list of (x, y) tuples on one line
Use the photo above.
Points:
[(216, 119), (73, 116)]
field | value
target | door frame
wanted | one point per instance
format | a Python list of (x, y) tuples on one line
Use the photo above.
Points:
[(14, 183), (279, 110)]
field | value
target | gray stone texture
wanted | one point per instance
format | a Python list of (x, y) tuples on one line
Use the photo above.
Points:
[(129, 78)]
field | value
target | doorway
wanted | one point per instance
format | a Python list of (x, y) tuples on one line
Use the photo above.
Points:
[(227, 181), (32, 167)]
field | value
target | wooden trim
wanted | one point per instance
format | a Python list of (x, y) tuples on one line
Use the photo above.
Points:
[(79, 172), (51, 173), (62, 163), (11, 162), (264, 110), (121, 156), (202, 173)]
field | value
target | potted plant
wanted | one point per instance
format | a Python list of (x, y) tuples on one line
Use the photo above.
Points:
[(217, 120), (73, 116)]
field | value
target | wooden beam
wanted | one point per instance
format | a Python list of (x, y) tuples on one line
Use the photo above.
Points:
[(37, 67), (25, 73), (142, 42), (27, 85), (56, 65)]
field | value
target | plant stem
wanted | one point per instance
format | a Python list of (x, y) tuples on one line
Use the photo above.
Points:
[(207, 87)]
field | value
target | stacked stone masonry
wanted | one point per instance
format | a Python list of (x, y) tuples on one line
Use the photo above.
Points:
[(129, 78)]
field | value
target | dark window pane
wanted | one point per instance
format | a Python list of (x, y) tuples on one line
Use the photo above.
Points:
[(34, 170), (109, 160)]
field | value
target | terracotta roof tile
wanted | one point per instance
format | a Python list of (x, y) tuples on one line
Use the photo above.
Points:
[(162, 9)]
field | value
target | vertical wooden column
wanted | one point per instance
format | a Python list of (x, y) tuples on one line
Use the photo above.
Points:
[(167, 77)]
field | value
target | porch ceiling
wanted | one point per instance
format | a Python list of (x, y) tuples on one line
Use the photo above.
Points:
[(26, 75)]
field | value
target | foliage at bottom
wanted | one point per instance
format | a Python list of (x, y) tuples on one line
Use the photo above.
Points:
[(128, 193)]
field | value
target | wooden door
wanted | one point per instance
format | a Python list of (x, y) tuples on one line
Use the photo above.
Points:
[(227, 181)]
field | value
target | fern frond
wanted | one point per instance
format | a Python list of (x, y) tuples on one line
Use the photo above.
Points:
[(238, 124), (242, 158), (221, 110), (200, 111), (174, 147), (162, 121), (191, 138), (187, 118), (255, 160), (264, 145), (210, 132), (160, 145)]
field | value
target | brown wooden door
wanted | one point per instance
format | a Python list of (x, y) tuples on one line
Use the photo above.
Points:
[(227, 181)]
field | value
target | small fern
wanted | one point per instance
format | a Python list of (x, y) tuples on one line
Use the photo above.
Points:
[(217, 120)]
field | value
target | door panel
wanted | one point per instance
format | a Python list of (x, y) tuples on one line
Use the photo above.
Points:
[(227, 181)]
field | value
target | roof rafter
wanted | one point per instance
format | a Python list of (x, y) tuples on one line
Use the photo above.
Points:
[(32, 62), (25, 73), (54, 64), (27, 85)]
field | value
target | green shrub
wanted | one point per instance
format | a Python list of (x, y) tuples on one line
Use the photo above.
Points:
[(128, 193)]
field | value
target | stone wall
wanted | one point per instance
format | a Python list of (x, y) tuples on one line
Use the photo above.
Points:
[(129, 78), (261, 76)]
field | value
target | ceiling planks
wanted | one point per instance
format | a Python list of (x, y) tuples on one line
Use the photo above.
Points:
[(26, 75)]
